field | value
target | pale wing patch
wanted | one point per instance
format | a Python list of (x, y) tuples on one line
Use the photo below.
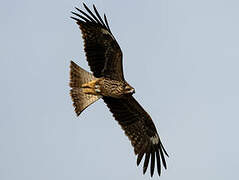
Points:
[(104, 31), (155, 139)]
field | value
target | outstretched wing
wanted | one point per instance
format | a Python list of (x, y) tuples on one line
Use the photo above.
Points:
[(140, 129), (102, 50)]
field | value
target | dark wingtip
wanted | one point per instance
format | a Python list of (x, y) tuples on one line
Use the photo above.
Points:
[(98, 15), (158, 162), (152, 163), (140, 156), (146, 162), (74, 13), (144, 170), (106, 22), (92, 14), (77, 8), (162, 151), (74, 18), (84, 5), (165, 152)]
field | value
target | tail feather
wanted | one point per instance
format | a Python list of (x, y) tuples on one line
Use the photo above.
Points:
[(79, 76)]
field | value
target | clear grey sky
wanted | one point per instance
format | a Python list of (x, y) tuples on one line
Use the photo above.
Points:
[(182, 57)]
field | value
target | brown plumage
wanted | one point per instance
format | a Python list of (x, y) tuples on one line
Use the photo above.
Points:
[(79, 76), (104, 57)]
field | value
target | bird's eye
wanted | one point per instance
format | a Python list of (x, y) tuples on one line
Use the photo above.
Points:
[(127, 88)]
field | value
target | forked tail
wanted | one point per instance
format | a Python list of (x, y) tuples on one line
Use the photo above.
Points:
[(79, 76)]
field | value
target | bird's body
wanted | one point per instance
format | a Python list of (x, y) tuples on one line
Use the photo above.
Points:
[(107, 82), (108, 87)]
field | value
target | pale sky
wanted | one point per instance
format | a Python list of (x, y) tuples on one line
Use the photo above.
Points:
[(182, 57)]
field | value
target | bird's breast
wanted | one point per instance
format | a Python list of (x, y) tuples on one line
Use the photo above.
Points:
[(111, 88)]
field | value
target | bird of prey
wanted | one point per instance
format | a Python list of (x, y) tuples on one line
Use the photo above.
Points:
[(107, 81)]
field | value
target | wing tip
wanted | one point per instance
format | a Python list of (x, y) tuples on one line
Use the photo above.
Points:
[(157, 151), (91, 17)]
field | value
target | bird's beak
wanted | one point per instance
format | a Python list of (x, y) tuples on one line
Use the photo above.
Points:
[(132, 91)]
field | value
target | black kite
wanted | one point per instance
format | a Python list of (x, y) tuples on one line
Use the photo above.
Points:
[(104, 57)]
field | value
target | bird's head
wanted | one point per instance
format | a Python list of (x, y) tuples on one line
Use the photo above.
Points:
[(129, 89)]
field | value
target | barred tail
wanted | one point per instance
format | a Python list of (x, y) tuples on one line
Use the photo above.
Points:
[(79, 76)]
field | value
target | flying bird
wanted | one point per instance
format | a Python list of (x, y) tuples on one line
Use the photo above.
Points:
[(107, 81)]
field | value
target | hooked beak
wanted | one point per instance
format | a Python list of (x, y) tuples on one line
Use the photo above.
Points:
[(132, 91)]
